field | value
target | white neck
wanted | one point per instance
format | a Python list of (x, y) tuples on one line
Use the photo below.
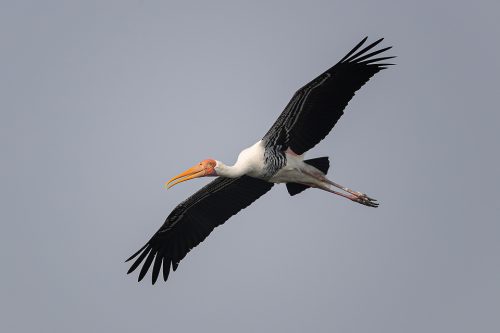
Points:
[(235, 171)]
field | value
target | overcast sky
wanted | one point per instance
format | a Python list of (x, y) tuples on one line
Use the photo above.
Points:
[(103, 101)]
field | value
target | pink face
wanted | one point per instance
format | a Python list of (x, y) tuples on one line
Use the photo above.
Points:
[(202, 169), (209, 167)]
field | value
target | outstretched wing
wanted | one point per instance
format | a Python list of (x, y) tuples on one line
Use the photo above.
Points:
[(316, 107), (194, 219)]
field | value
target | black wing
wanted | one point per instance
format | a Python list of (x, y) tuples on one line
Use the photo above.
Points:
[(316, 107), (194, 219)]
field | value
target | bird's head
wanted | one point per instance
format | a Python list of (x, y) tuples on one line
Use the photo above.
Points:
[(203, 169)]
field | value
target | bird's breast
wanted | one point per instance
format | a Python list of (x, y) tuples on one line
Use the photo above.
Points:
[(252, 158)]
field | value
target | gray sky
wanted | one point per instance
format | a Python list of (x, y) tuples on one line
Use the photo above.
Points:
[(103, 101)]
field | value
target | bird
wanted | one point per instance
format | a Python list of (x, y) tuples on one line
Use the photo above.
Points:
[(278, 157)]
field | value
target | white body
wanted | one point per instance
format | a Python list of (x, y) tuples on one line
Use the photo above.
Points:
[(250, 162)]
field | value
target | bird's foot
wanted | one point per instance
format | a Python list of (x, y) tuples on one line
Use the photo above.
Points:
[(364, 199)]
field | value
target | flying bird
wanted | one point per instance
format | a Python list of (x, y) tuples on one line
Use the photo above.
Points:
[(277, 158)]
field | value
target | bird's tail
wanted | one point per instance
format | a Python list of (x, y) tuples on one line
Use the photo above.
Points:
[(320, 163)]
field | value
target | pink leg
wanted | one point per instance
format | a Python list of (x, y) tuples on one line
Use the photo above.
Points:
[(362, 198), (353, 195)]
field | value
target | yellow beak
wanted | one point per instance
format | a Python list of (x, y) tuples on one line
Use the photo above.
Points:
[(191, 173)]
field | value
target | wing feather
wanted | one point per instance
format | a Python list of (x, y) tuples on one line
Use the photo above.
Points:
[(316, 107), (193, 220)]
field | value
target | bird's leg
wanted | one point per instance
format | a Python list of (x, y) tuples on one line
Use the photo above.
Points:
[(356, 193), (359, 198), (353, 195)]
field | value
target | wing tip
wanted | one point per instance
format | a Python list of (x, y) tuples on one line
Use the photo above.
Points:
[(354, 49), (147, 264), (160, 261), (136, 253), (166, 268), (156, 268), (362, 55)]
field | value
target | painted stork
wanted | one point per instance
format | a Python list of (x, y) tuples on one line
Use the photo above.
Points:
[(277, 158)]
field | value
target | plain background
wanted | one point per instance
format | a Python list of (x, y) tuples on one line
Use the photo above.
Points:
[(103, 101)]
